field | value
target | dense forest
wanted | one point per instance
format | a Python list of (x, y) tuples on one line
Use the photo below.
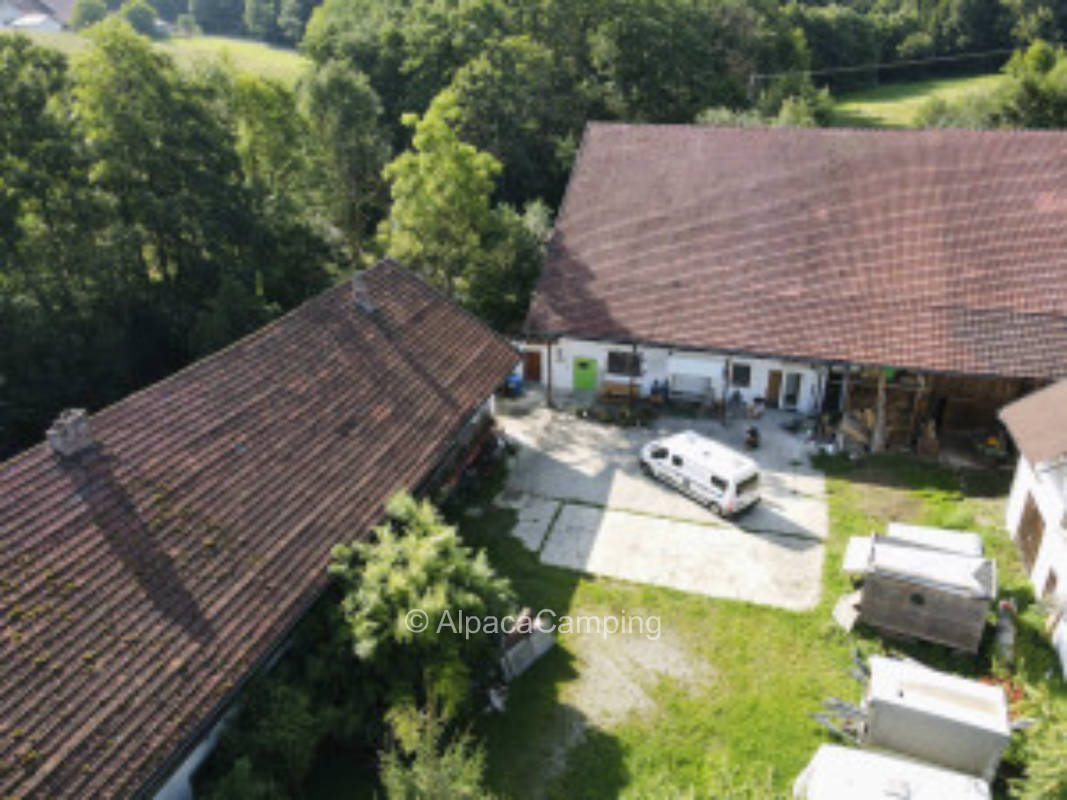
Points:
[(152, 214)]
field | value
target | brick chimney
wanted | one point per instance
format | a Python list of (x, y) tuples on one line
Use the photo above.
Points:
[(361, 295), (70, 433)]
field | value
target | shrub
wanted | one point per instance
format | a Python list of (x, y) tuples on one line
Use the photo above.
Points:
[(86, 13), (419, 765), (140, 15), (185, 25)]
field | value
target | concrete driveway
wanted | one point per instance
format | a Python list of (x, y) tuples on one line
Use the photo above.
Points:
[(583, 503)]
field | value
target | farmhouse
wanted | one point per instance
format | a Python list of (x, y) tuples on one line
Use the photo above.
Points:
[(1037, 505), (813, 269), (157, 553), (47, 16)]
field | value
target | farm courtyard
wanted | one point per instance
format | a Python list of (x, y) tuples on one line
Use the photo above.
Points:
[(720, 703)]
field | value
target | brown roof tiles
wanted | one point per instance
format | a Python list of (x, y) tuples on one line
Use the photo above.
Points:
[(142, 578), (932, 250)]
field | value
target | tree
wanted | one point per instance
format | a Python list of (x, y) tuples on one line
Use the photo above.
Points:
[(420, 764), (343, 113), (503, 109), (502, 281), (166, 162), (140, 16), (86, 13), (218, 16), (416, 562), (260, 18), (293, 16), (440, 190), (665, 60)]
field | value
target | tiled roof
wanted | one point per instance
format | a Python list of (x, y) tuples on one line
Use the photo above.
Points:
[(141, 579), (1038, 423), (934, 250)]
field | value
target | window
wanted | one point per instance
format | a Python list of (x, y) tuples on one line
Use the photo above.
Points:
[(1051, 583), (659, 453), (718, 483), (624, 362), (748, 486), (741, 375), (677, 461)]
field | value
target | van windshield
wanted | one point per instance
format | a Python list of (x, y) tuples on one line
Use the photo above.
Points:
[(748, 485)]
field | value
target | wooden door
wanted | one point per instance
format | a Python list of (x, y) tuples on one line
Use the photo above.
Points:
[(531, 366), (774, 388), (1031, 532)]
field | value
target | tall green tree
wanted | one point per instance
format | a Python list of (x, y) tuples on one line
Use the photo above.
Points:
[(168, 165), (421, 762), (516, 103), (87, 12), (343, 113), (140, 15), (441, 191), (260, 18), (418, 563), (665, 60)]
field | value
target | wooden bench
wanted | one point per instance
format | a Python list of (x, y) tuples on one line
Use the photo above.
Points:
[(619, 390)]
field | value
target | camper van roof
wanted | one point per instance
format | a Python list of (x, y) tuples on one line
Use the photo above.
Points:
[(912, 685), (963, 543), (842, 773), (696, 446), (971, 575)]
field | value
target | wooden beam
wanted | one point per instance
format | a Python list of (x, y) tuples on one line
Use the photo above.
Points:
[(878, 434)]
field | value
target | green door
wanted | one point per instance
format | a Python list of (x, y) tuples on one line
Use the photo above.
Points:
[(584, 374)]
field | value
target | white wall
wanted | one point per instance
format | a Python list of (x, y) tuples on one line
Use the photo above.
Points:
[(658, 364), (1045, 485), (1048, 486)]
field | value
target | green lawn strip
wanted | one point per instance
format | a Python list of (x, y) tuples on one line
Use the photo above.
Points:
[(894, 105), (768, 669), (246, 55)]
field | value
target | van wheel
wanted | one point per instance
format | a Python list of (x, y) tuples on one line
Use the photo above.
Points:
[(645, 468), (715, 509)]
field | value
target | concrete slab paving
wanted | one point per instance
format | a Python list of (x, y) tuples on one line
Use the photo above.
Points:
[(617, 521), (567, 458), (719, 561), (534, 515)]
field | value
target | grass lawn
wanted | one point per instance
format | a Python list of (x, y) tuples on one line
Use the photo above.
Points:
[(894, 105), (246, 55), (724, 702)]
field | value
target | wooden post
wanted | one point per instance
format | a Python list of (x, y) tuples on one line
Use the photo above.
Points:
[(725, 389), (878, 434), (548, 366), (916, 402), (630, 384)]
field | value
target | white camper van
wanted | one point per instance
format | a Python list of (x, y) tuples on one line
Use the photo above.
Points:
[(724, 480)]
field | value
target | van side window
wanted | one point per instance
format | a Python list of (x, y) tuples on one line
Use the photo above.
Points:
[(659, 452), (676, 460), (718, 483)]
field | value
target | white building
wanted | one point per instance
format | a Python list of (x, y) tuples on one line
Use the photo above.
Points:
[(1037, 507), (572, 364)]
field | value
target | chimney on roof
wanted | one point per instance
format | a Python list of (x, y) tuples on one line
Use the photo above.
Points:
[(70, 433), (360, 293)]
